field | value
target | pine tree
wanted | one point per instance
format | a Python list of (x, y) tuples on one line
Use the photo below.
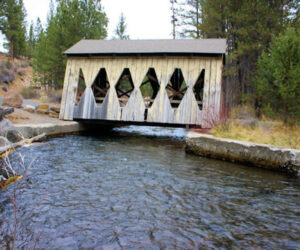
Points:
[(190, 18), (12, 22), (174, 17), (278, 82), (120, 30), (248, 27), (72, 21), (31, 41)]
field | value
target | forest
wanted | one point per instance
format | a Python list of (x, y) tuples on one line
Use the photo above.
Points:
[(263, 44)]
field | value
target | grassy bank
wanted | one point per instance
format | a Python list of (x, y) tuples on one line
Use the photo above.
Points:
[(242, 126)]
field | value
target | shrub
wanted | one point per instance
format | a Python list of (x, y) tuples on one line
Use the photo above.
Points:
[(24, 65), (278, 81), (54, 97), (29, 93), (21, 73), (6, 76)]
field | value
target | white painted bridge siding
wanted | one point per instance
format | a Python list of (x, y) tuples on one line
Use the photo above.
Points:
[(161, 111)]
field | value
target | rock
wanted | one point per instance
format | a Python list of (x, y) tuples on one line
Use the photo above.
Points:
[(43, 106), (8, 130), (13, 99), (13, 135), (53, 114), (3, 141), (4, 89), (21, 73), (29, 108), (5, 111), (55, 109), (7, 76), (43, 109), (4, 126)]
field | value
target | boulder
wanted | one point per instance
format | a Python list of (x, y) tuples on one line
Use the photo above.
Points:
[(43, 109), (3, 142), (21, 73), (8, 130), (29, 108), (13, 135), (4, 126), (53, 114), (55, 109), (5, 111), (13, 99), (43, 106)]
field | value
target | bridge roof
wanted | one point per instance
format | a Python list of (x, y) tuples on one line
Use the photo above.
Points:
[(127, 47)]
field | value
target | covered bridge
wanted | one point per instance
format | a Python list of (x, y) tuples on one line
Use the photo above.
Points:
[(155, 82)]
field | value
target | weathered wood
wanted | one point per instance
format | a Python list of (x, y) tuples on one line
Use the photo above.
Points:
[(160, 111), (13, 146)]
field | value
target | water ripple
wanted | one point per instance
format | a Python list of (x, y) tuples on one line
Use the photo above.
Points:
[(124, 190)]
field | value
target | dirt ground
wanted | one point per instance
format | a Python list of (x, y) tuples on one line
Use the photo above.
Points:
[(23, 117), (20, 81)]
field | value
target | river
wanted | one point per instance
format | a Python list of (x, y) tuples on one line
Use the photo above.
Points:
[(136, 188)]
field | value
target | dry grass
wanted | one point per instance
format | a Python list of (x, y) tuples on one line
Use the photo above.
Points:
[(264, 132), (277, 135)]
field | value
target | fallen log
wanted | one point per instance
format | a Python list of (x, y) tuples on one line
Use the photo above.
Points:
[(11, 147)]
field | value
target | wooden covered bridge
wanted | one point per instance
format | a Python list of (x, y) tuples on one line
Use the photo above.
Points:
[(155, 82)]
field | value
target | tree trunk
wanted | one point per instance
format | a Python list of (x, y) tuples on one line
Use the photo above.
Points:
[(11, 51)]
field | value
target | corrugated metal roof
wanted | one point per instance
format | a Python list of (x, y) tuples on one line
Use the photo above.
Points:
[(104, 47)]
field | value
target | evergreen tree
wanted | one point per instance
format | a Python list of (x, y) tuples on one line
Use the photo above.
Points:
[(12, 23), (174, 17), (31, 41), (120, 30), (278, 82), (72, 21), (248, 27), (190, 18)]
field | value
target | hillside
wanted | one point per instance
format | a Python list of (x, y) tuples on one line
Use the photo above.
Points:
[(19, 70)]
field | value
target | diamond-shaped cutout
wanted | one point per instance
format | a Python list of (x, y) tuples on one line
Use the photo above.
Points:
[(199, 89), (100, 86), (176, 88), (81, 87), (124, 87), (150, 87)]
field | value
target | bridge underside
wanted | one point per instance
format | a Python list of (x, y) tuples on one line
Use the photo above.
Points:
[(108, 123), (170, 91)]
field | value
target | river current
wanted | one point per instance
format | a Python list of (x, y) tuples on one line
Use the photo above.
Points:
[(136, 188)]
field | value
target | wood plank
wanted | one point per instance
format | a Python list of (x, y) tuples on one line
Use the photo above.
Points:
[(65, 90), (218, 87)]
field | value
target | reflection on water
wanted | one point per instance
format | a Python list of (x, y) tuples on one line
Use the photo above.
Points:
[(133, 189)]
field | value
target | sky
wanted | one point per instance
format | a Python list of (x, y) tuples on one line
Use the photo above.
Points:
[(146, 19)]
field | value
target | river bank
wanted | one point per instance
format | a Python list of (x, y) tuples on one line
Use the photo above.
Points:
[(258, 155)]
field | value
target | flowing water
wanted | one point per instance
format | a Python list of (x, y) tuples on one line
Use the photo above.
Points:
[(136, 188)]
